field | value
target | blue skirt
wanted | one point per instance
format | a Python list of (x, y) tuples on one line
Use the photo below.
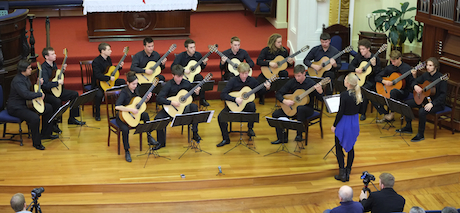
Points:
[(347, 131)]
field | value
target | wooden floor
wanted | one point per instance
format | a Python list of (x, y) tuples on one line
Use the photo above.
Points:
[(89, 176)]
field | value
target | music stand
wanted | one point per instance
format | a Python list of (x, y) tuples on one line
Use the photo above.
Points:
[(221, 85), (149, 126), (189, 119), (83, 99), (404, 110), (207, 86), (58, 114), (380, 99), (276, 85), (285, 125), (241, 117), (332, 105)]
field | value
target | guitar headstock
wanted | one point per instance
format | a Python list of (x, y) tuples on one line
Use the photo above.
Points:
[(273, 78), (445, 77), (420, 66), (348, 49), (126, 50), (65, 52), (383, 48), (172, 47), (325, 81), (212, 48), (305, 48), (39, 66), (208, 76)]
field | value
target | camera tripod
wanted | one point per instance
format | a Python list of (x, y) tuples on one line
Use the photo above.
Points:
[(35, 206)]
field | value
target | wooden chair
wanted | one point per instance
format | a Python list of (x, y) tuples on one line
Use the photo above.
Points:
[(448, 112), (316, 118), (260, 8), (86, 71), (111, 97)]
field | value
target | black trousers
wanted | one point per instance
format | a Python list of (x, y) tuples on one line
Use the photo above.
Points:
[(161, 134), (100, 95), (250, 107), (303, 112), (421, 115), (396, 94), (125, 128), (33, 121), (329, 88), (66, 95), (341, 157), (370, 86)]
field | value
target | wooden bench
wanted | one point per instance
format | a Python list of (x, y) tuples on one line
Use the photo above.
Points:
[(260, 8)]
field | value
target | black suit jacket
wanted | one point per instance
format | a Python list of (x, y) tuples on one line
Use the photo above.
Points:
[(384, 201)]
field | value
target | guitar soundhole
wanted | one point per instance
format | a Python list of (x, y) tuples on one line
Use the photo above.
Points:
[(297, 98), (181, 99), (245, 96)]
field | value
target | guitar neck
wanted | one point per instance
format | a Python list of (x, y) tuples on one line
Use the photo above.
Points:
[(256, 89), (291, 56), (334, 57), (194, 88), (160, 60), (403, 76), (432, 84), (38, 80), (119, 65), (200, 61), (138, 106), (369, 62), (62, 67), (228, 59)]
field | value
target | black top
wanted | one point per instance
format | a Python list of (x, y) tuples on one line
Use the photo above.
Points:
[(47, 74), (316, 53), (183, 58), (125, 96), (384, 201), (375, 69), (241, 55), (439, 97), (170, 88), (235, 84), (99, 69), (20, 92), (292, 85), (141, 59), (347, 106), (265, 56), (403, 68)]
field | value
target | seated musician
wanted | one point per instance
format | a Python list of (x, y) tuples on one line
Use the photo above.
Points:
[(100, 65), (398, 66), (171, 88), (365, 55), (141, 59), (185, 57), (17, 107), (236, 84), (300, 81), (325, 49), (234, 52), (47, 68), (437, 100), (273, 49), (126, 94)]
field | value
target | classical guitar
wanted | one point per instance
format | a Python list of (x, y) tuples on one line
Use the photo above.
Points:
[(397, 79), (59, 75), (367, 68), (232, 64), (144, 78), (247, 94), (112, 71), (37, 104), (136, 103), (281, 62), (325, 63), (428, 89), (184, 97), (195, 67), (300, 97)]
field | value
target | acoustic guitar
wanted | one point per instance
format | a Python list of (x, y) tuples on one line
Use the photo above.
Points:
[(144, 78), (184, 98), (137, 103), (232, 64), (195, 67), (112, 71), (367, 68), (281, 62), (247, 95), (300, 97), (37, 104), (397, 79), (428, 89), (325, 63), (57, 91)]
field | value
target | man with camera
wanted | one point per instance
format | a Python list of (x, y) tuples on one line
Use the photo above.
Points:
[(18, 203), (383, 201)]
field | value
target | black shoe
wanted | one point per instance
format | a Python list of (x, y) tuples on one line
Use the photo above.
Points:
[(298, 138), (405, 130), (418, 138), (98, 118), (278, 142), (40, 147), (56, 129), (196, 137), (348, 171), (75, 121), (363, 117), (251, 133), (128, 156), (223, 143), (204, 103), (342, 176), (261, 100), (163, 145), (50, 137)]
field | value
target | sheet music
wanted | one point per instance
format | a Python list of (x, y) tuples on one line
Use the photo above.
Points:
[(332, 103), (211, 113)]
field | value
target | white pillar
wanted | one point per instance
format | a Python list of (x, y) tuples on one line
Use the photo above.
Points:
[(280, 22)]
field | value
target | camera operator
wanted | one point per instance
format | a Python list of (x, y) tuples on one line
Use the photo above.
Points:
[(384, 201), (347, 205), (18, 203)]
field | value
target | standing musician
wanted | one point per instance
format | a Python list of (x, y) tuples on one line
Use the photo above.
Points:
[(325, 49), (100, 65), (17, 107), (346, 125), (365, 54), (47, 68), (141, 59), (397, 65), (171, 88), (300, 81), (437, 100), (234, 52), (236, 84), (267, 54), (128, 93), (190, 54)]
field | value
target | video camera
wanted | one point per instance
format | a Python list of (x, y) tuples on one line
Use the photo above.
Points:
[(37, 192), (367, 178)]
